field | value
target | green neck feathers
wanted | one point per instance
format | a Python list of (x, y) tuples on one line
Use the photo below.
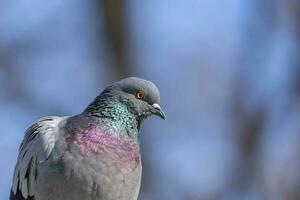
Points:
[(114, 115)]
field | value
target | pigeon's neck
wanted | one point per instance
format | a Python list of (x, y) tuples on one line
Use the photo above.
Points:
[(114, 115), (96, 140)]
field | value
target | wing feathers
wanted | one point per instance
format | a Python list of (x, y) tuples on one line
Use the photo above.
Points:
[(36, 147)]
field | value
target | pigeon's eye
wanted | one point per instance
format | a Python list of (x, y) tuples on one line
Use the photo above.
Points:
[(139, 95)]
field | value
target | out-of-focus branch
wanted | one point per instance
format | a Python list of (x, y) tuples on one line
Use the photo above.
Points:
[(293, 10)]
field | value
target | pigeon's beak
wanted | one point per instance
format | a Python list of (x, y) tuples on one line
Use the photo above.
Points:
[(158, 111)]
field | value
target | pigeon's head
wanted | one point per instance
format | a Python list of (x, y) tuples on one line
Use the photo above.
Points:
[(140, 96)]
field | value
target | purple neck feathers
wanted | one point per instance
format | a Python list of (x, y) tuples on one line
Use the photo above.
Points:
[(96, 140)]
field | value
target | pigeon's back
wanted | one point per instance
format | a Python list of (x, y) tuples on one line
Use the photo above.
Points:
[(73, 158)]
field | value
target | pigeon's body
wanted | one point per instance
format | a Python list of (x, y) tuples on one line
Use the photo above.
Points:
[(91, 156), (88, 163)]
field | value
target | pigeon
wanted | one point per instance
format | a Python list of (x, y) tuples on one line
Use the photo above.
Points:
[(94, 155)]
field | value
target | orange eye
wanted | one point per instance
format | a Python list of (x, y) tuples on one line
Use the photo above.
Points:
[(139, 95)]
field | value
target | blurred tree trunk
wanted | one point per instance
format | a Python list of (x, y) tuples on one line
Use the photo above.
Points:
[(115, 32), (291, 191), (249, 116)]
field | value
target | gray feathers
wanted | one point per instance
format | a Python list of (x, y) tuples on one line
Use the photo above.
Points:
[(36, 147), (133, 84)]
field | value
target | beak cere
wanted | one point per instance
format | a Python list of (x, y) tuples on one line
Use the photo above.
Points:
[(158, 111)]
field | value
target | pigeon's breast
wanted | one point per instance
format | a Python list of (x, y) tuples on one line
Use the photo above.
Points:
[(97, 141), (80, 173)]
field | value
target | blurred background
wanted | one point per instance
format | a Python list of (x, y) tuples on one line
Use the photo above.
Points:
[(228, 72)]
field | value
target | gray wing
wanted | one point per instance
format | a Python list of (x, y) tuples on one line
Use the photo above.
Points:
[(36, 147)]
